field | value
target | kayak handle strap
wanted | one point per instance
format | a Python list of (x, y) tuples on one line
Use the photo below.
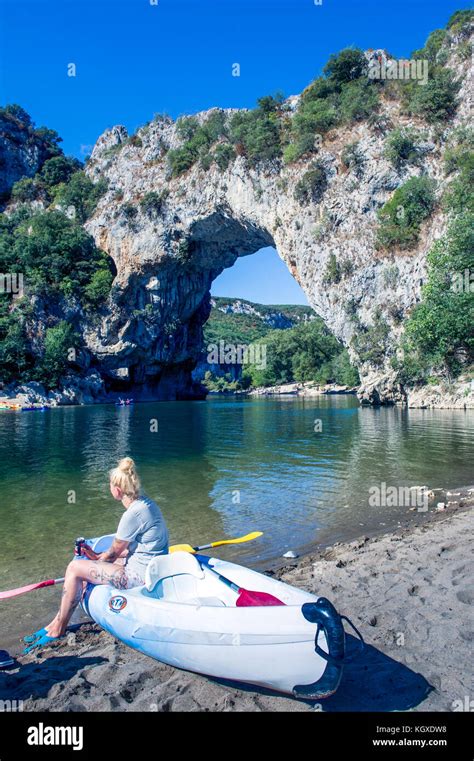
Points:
[(341, 659), (323, 613)]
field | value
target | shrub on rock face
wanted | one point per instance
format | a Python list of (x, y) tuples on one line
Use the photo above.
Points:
[(129, 211), (459, 158), (50, 140), (27, 190), (198, 140), (459, 150), (317, 117), (460, 20), (402, 147), (370, 342), (184, 252), (346, 66), (312, 185), (180, 160), (270, 103), (437, 100), (15, 112), (358, 100), (257, 133), (186, 127), (152, 203), (58, 342), (320, 89), (310, 123), (135, 141), (59, 169), (205, 161), (401, 217), (98, 289), (332, 273), (353, 158), (215, 126), (80, 193), (223, 155)]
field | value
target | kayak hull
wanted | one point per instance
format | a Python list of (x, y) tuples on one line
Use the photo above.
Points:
[(272, 647)]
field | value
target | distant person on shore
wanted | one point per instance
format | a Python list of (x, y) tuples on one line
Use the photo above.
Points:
[(141, 535)]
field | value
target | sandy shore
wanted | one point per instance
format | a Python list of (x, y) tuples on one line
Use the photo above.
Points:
[(409, 592)]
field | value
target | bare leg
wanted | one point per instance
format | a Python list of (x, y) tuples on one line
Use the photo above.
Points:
[(77, 572)]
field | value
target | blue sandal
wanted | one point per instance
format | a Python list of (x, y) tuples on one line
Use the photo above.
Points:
[(41, 642), (35, 635)]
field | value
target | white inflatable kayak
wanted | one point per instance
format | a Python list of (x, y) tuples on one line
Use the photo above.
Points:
[(185, 616)]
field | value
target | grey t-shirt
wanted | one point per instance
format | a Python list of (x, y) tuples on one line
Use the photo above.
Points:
[(143, 525)]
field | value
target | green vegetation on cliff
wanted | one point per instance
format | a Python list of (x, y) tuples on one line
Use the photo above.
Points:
[(58, 272), (401, 217), (439, 335), (343, 95)]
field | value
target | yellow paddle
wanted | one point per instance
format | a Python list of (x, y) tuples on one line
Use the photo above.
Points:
[(188, 548)]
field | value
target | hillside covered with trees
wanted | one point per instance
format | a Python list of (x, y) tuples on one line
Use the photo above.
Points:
[(302, 350)]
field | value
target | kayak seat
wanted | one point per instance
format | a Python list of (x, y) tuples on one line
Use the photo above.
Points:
[(178, 577)]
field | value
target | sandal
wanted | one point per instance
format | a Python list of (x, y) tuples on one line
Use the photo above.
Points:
[(35, 635), (41, 642)]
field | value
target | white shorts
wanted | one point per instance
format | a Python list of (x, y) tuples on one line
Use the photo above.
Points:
[(133, 575)]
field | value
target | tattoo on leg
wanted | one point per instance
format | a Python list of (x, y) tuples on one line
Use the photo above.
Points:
[(116, 577)]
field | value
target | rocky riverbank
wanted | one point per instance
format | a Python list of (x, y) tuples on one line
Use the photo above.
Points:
[(437, 394), (90, 389), (302, 389), (409, 592)]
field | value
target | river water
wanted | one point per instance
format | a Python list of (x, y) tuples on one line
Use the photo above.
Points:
[(299, 470)]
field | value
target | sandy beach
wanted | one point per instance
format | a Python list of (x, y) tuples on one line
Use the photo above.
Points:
[(409, 592)]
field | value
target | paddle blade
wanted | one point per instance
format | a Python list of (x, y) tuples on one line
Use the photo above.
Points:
[(246, 538), (27, 588), (182, 548), (247, 599)]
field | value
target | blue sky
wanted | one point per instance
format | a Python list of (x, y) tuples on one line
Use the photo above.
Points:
[(135, 58)]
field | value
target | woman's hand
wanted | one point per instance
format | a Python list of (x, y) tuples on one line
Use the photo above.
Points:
[(89, 552)]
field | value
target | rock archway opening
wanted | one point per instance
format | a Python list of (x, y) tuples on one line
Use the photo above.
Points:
[(155, 351), (248, 300)]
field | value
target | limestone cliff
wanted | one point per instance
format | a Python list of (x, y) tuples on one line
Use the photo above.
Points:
[(170, 236), (23, 148)]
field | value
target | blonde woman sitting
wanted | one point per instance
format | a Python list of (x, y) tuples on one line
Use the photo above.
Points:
[(141, 535)]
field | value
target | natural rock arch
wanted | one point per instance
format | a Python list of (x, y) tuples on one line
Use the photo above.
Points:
[(171, 236)]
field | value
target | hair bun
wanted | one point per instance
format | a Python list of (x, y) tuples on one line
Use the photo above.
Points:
[(125, 476), (126, 465)]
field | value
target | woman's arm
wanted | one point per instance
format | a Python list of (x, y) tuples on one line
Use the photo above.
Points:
[(118, 549), (89, 553)]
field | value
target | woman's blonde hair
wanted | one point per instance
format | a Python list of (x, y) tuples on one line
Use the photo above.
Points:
[(125, 476)]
